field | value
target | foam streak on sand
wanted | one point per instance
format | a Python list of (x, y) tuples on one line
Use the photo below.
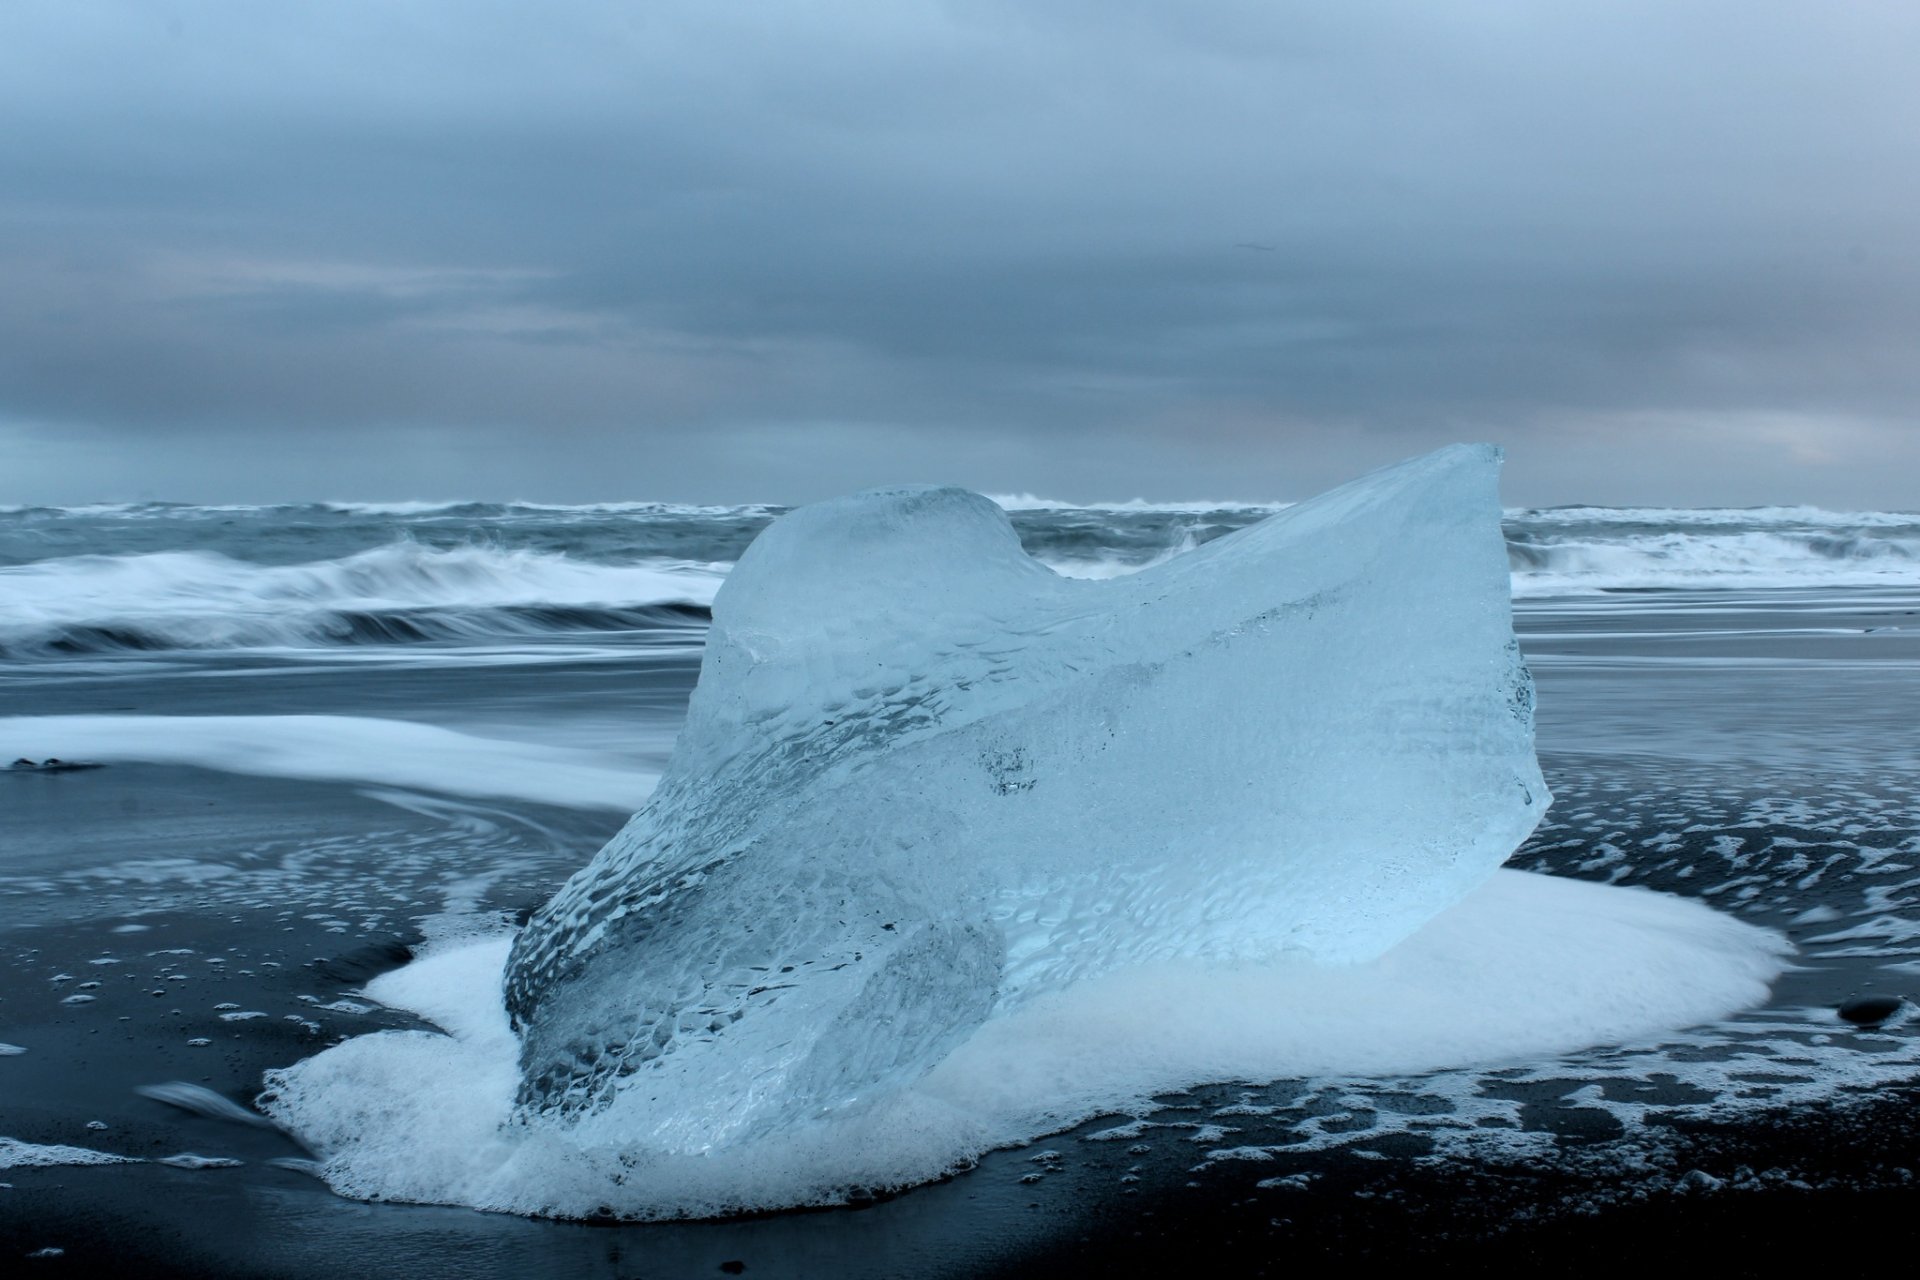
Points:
[(1525, 967), (395, 753), (15, 1154)]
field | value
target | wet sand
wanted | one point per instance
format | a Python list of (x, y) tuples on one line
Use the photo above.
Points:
[(1778, 789)]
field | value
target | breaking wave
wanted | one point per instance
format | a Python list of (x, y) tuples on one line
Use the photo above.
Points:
[(1574, 553), (400, 593), (152, 577), (1585, 558), (1551, 551)]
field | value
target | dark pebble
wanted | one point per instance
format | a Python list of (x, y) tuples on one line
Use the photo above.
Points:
[(1864, 1011)]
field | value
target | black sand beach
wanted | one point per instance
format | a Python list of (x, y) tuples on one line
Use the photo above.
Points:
[(179, 924)]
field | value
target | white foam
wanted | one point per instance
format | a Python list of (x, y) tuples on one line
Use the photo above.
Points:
[(1525, 968), (191, 1160), (15, 1154), (396, 753)]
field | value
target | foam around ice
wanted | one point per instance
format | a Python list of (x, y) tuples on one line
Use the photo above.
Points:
[(1524, 967)]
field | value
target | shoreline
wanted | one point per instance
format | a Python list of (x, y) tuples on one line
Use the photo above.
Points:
[(257, 1219)]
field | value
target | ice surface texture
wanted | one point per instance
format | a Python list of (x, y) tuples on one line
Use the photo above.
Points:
[(924, 779)]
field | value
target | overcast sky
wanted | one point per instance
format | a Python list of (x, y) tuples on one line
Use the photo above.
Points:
[(1665, 252)]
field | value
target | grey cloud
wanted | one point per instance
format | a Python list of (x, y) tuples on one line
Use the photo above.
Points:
[(1111, 248)]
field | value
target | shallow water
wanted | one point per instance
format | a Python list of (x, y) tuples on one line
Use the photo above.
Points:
[(172, 922)]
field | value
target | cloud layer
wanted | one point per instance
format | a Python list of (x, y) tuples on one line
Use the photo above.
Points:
[(729, 250)]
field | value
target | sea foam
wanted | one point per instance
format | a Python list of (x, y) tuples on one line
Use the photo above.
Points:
[(1524, 968), (391, 753)]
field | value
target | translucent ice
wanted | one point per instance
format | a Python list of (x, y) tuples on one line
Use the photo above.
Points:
[(924, 780)]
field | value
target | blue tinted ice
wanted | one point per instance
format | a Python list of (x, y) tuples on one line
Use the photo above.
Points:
[(924, 779)]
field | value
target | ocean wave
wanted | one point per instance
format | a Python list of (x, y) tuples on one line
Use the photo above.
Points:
[(1569, 553), (1547, 563), (1032, 502), (1024, 503), (1692, 517), (399, 593), (1099, 567), (406, 509), (114, 586), (521, 507)]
